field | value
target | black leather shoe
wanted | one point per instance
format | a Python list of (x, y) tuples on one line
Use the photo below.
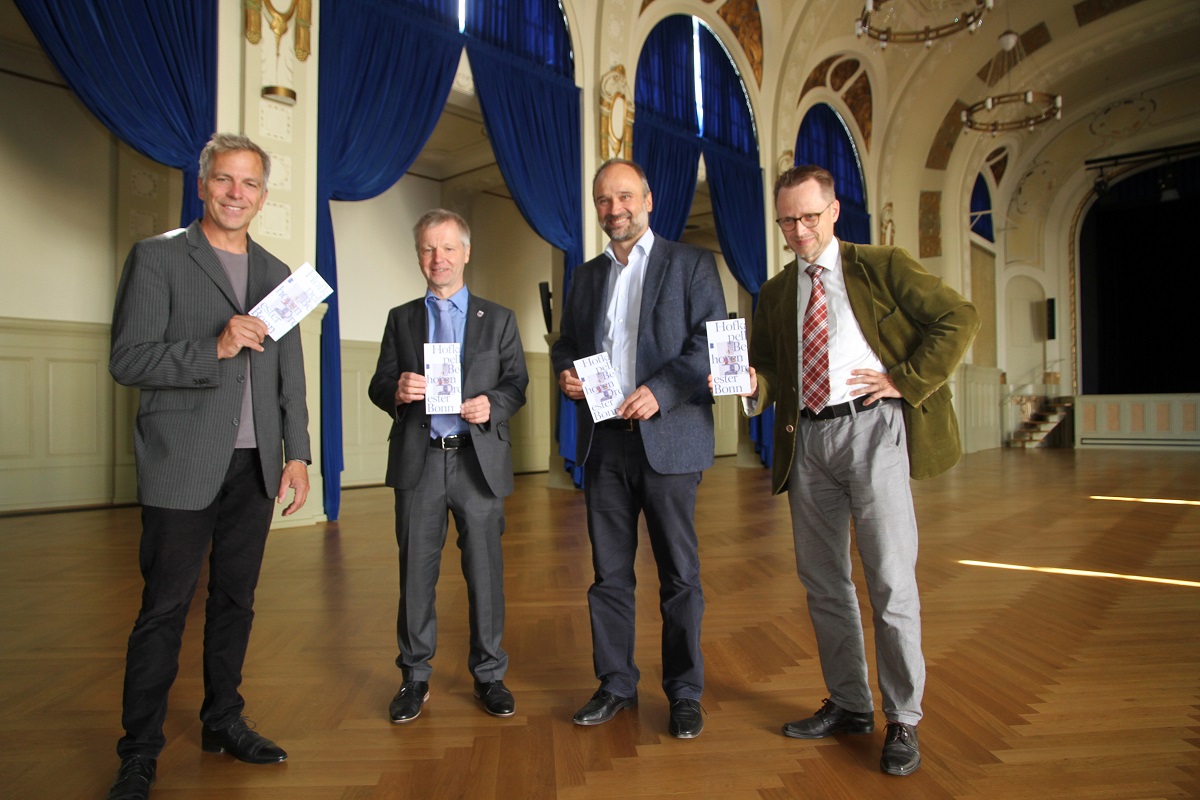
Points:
[(497, 699), (901, 753), (686, 719), (602, 707), (134, 778), (830, 719), (241, 743), (406, 705)]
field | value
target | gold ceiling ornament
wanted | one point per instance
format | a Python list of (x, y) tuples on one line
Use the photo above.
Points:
[(1013, 110), (878, 19), (301, 10)]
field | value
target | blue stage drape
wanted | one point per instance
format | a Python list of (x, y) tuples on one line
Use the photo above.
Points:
[(665, 128), (147, 70), (981, 209), (824, 140), (521, 59), (735, 183), (385, 72)]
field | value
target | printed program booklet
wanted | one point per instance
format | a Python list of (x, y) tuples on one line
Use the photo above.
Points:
[(292, 300), (600, 386), (443, 378), (728, 357)]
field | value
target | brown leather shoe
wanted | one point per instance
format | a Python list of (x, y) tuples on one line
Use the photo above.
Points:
[(831, 719), (901, 753)]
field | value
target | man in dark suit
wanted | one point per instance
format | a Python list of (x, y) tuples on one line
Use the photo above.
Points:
[(861, 404), (222, 407), (458, 464), (644, 302)]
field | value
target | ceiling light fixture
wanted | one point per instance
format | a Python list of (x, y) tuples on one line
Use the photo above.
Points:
[(968, 20)]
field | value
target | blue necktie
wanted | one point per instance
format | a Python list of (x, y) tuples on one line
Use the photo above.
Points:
[(443, 331)]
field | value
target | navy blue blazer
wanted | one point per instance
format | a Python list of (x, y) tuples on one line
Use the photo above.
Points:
[(681, 292)]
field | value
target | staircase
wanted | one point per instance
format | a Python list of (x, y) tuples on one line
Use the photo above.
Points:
[(1042, 421)]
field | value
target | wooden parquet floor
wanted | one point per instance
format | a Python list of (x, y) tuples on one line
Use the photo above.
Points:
[(1041, 685)]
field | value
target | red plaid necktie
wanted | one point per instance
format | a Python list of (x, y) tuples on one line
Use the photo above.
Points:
[(814, 346)]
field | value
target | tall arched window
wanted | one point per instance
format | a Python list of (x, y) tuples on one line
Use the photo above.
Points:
[(825, 140), (981, 209)]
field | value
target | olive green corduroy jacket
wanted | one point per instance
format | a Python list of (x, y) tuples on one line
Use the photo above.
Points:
[(918, 326)]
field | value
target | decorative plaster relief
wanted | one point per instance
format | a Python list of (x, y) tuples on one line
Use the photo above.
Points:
[(1034, 189), (616, 115), (744, 19), (281, 172), (143, 183), (275, 120), (275, 219), (142, 225), (1123, 117)]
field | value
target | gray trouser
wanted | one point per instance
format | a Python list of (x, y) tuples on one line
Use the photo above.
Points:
[(857, 467)]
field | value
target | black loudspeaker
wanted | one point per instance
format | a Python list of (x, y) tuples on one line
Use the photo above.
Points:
[(544, 291), (1050, 327)]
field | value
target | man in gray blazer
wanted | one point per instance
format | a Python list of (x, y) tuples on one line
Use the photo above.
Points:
[(644, 302), (444, 464), (222, 407)]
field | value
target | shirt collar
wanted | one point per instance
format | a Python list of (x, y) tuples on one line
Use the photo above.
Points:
[(829, 258), (644, 243), (458, 299)]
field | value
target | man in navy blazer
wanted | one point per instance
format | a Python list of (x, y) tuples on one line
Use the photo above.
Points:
[(644, 302), (221, 408), (450, 464)]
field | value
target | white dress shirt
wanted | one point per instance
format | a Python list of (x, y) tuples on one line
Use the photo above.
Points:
[(848, 348), (624, 310)]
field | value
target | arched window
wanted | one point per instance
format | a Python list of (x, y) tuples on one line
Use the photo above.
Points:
[(825, 140), (981, 209)]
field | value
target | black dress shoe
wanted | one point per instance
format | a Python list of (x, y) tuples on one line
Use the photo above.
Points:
[(686, 719), (241, 743), (602, 707), (497, 699), (406, 705), (901, 753), (830, 719), (134, 778)]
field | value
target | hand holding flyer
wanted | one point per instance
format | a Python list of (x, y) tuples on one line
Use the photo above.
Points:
[(292, 300), (728, 357), (600, 386), (443, 378)]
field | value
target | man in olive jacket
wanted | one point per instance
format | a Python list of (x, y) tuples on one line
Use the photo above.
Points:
[(893, 335)]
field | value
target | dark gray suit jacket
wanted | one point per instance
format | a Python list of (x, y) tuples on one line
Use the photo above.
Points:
[(493, 365), (681, 292), (173, 301)]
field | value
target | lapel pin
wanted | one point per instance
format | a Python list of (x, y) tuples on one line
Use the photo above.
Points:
[(479, 313)]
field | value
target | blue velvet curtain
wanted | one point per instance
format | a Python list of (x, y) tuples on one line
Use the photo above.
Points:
[(981, 209), (824, 140), (665, 129), (147, 70), (521, 58), (735, 183), (385, 72)]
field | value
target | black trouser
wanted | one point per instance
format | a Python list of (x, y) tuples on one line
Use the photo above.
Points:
[(173, 547)]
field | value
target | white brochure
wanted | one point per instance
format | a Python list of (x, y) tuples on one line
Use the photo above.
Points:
[(728, 357), (443, 378), (600, 386), (292, 300)]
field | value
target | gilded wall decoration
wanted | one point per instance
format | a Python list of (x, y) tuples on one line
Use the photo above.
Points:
[(835, 73), (843, 72), (818, 77), (858, 98), (616, 115), (887, 225), (278, 63), (1087, 11), (946, 137), (997, 162), (744, 19), (930, 221)]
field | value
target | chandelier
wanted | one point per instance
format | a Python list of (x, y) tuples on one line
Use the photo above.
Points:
[(968, 20), (1014, 110)]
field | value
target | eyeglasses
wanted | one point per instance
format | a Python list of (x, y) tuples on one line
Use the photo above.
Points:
[(807, 220)]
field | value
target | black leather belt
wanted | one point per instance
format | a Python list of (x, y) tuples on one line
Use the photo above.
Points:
[(618, 424), (450, 442), (840, 410)]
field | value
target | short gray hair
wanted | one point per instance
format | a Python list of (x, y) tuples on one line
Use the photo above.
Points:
[(437, 216), (229, 143)]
